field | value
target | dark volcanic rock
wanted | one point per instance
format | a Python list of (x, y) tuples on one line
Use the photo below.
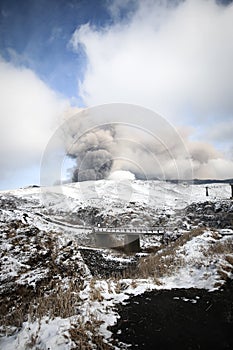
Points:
[(211, 214), (100, 266), (177, 319)]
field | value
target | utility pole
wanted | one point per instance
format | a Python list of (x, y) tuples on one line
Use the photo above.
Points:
[(206, 191), (231, 184)]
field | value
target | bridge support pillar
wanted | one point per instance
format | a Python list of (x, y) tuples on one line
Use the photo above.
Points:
[(103, 240), (132, 243)]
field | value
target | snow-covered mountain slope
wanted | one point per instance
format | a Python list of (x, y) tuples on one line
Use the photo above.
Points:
[(109, 193), (58, 291), (113, 203)]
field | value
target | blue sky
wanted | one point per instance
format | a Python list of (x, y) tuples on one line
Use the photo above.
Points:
[(36, 34), (172, 57)]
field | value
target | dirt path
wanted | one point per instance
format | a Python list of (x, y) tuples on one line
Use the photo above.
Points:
[(184, 319)]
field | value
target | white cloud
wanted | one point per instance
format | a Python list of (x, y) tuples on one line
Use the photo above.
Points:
[(170, 59), (174, 59), (29, 114)]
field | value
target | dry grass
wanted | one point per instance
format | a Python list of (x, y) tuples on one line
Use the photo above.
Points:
[(186, 236), (222, 274), (14, 314), (221, 248), (229, 258), (152, 249), (34, 337), (86, 336), (95, 292), (165, 261), (159, 265), (62, 302)]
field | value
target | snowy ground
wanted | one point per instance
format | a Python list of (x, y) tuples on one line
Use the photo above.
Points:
[(43, 232)]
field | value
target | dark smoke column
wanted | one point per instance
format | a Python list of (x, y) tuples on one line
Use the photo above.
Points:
[(92, 148), (94, 165)]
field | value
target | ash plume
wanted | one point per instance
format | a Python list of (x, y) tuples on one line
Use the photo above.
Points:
[(94, 165), (91, 149), (146, 145)]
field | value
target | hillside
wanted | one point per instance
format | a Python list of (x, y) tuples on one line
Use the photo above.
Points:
[(59, 291)]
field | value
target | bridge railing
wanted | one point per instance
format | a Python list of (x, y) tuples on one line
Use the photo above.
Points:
[(127, 230)]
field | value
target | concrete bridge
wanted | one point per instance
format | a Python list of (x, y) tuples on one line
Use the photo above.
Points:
[(104, 237)]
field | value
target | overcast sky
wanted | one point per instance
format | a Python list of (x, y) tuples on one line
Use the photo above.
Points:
[(173, 57)]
